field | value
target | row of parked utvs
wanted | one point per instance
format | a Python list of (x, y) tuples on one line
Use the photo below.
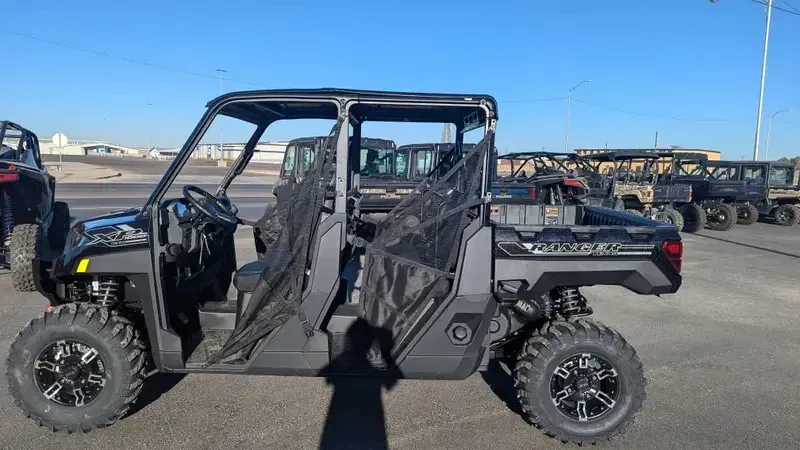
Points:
[(450, 277)]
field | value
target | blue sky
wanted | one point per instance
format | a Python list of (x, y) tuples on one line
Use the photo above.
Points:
[(687, 59)]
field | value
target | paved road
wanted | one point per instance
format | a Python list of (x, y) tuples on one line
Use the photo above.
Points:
[(92, 199), (144, 166), (721, 356)]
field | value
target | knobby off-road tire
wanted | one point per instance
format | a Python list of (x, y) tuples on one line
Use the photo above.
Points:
[(541, 366), (726, 218), (748, 214), (786, 215), (694, 217), (619, 205), (674, 217), (25, 247), (117, 347), (634, 212), (59, 227)]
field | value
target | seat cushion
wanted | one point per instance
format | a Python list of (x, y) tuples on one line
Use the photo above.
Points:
[(247, 276)]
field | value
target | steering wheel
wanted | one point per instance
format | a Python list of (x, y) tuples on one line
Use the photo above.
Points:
[(211, 206)]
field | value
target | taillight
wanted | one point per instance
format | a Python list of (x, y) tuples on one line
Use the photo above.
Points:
[(674, 252), (574, 183), (532, 192), (9, 175)]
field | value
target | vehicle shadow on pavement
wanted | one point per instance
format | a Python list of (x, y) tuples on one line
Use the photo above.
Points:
[(502, 384), (730, 241), (356, 416), (153, 388)]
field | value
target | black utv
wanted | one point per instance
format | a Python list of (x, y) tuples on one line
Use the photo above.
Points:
[(781, 197), (524, 177), (32, 221), (632, 180), (443, 289), (715, 184)]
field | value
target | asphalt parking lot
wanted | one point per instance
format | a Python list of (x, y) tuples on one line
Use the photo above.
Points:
[(722, 357)]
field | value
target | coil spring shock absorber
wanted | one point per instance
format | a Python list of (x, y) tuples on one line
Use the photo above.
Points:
[(571, 303), (8, 219), (105, 292)]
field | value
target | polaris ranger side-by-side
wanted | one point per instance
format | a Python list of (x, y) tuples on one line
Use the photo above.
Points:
[(781, 196), (714, 183), (32, 221), (521, 175), (444, 289), (633, 186)]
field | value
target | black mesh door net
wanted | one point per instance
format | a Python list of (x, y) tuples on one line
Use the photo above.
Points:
[(410, 262), (292, 226)]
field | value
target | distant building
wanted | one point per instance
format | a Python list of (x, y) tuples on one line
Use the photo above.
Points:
[(713, 155)]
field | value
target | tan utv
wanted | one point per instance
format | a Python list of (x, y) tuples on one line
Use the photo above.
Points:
[(633, 177)]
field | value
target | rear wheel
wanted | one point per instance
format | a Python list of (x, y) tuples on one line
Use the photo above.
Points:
[(747, 214), (722, 217), (673, 217), (579, 381), (786, 215), (76, 368), (694, 218), (25, 246)]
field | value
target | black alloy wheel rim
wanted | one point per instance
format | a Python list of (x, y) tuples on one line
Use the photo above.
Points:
[(784, 216), (584, 387), (69, 373)]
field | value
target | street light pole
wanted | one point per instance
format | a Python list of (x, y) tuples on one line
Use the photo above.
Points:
[(569, 106), (769, 131), (763, 77)]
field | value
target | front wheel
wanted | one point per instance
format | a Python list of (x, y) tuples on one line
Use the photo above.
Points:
[(76, 368), (579, 381), (748, 214), (721, 217), (694, 218), (786, 215)]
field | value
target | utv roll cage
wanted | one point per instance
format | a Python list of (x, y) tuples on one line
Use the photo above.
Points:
[(545, 163), (622, 165), (19, 144)]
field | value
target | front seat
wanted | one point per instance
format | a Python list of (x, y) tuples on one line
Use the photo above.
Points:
[(247, 276), (245, 281)]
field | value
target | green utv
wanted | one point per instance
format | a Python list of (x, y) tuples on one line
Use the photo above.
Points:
[(443, 290)]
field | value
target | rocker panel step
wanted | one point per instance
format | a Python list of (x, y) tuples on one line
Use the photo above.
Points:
[(218, 315)]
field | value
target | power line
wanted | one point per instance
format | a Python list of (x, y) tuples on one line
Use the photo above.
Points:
[(761, 2), (250, 83), (790, 6), (655, 116), (787, 123), (534, 100), (126, 59)]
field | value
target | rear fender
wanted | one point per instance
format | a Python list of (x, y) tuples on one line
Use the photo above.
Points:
[(643, 276)]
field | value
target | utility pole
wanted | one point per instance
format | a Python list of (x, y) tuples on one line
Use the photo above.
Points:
[(149, 145), (447, 137), (769, 131), (763, 77), (655, 145), (569, 106), (221, 73)]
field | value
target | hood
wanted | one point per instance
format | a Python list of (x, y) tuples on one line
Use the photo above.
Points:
[(113, 230)]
